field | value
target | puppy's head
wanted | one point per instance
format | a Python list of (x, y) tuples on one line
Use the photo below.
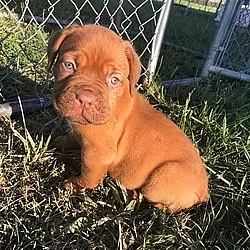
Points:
[(94, 69)]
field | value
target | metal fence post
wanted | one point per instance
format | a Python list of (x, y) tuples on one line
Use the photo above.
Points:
[(158, 38), (224, 29)]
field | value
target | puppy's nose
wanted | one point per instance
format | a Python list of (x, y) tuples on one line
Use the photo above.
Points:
[(86, 98)]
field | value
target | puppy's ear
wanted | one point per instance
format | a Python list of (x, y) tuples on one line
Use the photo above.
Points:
[(134, 66), (55, 42)]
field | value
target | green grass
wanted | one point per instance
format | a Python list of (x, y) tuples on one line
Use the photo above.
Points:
[(23, 61), (195, 31), (37, 213), (198, 6)]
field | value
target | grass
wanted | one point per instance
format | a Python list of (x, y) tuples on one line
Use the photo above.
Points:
[(198, 6), (176, 63), (37, 213), (23, 62)]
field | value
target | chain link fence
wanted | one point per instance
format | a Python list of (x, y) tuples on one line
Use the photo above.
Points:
[(189, 34), (198, 18), (27, 25), (191, 27), (230, 52)]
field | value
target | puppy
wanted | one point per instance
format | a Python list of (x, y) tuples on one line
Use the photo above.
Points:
[(120, 134)]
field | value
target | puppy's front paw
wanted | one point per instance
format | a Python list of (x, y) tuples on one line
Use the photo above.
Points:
[(73, 185)]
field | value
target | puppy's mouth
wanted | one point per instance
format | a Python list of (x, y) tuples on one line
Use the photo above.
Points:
[(86, 116), (83, 107)]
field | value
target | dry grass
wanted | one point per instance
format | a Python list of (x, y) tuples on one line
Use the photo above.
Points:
[(36, 213)]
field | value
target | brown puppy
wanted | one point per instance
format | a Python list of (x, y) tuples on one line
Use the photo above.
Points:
[(120, 134)]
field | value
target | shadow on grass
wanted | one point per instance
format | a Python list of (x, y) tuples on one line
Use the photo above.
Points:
[(14, 84)]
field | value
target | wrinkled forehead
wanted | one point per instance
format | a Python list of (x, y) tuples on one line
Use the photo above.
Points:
[(95, 49), (94, 37)]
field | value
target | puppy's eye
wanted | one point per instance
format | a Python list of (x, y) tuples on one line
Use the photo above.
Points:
[(114, 80), (69, 65)]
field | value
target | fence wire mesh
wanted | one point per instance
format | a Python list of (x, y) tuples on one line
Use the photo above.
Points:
[(26, 26), (189, 33), (235, 48)]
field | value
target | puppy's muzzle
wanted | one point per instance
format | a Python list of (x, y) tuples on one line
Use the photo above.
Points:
[(82, 105)]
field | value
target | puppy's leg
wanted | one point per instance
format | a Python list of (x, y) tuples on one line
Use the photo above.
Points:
[(92, 172), (175, 186), (66, 142), (89, 178)]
